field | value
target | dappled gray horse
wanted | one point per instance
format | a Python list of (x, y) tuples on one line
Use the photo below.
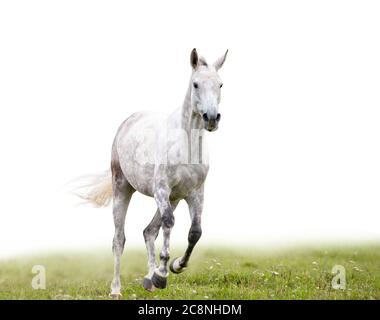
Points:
[(164, 157)]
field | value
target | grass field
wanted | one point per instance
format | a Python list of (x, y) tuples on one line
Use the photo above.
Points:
[(212, 274)]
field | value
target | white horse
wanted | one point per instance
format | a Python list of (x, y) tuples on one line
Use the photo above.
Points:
[(164, 157)]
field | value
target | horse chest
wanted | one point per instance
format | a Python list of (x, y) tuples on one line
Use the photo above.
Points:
[(186, 178)]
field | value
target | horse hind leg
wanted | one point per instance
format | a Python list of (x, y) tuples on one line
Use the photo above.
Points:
[(150, 235), (122, 194)]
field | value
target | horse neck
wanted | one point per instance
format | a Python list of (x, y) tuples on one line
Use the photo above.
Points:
[(189, 119)]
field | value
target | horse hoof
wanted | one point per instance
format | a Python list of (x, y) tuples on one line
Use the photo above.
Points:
[(175, 267), (148, 284), (115, 296), (159, 281)]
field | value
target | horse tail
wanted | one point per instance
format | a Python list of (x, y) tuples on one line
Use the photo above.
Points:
[(97, 190)]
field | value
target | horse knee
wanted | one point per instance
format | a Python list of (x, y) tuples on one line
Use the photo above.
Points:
[(194, 234), (168, 220)]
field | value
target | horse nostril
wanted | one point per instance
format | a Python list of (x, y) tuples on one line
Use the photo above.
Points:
[(205, 117), (218, 117)]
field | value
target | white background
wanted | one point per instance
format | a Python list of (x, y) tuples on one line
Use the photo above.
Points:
[(296, 159)]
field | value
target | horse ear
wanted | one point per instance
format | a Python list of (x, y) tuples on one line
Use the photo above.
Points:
[(194, 58), (219, 63), (202, 61)]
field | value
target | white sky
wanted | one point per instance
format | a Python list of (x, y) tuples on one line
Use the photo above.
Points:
[(296, 158)]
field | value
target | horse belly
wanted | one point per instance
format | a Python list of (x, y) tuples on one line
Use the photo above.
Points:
[(141, 177)]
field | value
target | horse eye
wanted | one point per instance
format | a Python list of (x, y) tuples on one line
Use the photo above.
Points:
[(221, 85), (195, 85)]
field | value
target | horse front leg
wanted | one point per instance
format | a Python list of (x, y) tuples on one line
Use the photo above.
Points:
[(195, 203), (162, 195), (150, 235)]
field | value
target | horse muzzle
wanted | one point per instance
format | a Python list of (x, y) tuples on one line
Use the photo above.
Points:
[(211, 123)]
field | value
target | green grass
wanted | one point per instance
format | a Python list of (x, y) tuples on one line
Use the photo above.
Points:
[(212, 274)]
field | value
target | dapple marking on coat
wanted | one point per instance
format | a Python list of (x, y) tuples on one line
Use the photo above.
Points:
[(164, 157)]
